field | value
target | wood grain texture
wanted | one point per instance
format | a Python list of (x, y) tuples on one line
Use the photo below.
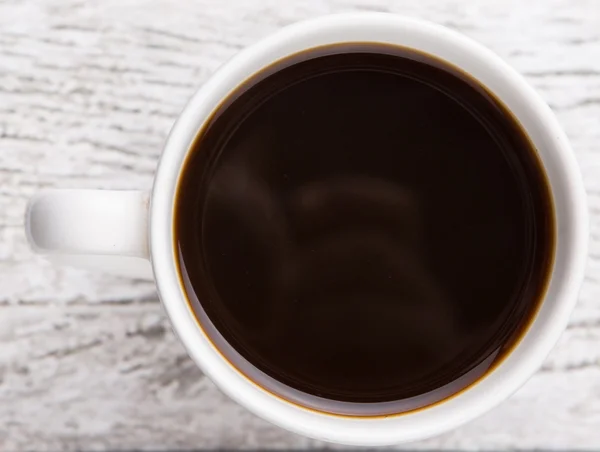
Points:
[(88, 93)]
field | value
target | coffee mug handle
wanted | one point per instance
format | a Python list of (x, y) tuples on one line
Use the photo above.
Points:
[(103, 230)]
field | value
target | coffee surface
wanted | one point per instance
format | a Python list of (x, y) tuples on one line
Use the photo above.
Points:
[(365, 223)]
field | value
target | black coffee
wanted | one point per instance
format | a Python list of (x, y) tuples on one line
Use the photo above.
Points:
[(365, 223)]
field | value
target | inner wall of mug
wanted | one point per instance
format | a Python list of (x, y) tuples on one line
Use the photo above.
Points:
[(535, 118)]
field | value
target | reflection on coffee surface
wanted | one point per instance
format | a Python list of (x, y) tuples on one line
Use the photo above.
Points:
[(365, 223)]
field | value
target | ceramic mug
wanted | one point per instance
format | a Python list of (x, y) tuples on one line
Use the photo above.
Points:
[(131, 233)]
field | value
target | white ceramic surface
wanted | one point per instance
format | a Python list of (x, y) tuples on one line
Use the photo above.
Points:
[(482, 64)]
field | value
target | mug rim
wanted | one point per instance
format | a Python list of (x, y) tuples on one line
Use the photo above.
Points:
[(486, 391)]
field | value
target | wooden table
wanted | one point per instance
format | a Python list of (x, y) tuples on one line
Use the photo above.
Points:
[(88, 93)]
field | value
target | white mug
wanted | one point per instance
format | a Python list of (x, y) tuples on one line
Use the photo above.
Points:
[(131, 232)]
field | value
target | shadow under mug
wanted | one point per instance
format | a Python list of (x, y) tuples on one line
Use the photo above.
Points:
[(131, 233)]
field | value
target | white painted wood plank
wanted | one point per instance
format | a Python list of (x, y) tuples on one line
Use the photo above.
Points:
[(76, 377), (88, 93)]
